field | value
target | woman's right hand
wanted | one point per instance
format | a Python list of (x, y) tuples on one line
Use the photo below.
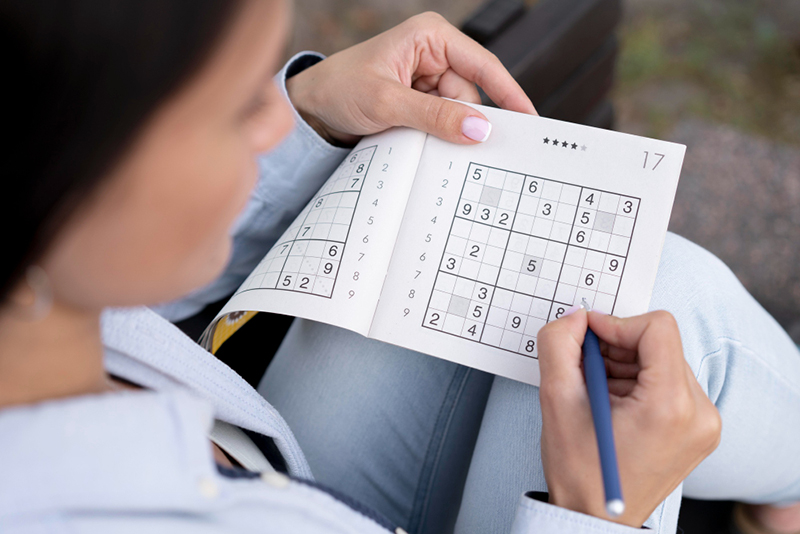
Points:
[(664, 424)]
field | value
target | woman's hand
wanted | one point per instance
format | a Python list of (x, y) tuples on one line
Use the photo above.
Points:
[(664, 424), (397, 79)]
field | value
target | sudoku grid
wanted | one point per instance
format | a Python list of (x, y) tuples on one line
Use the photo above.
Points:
[(521, 250), (307, 257)]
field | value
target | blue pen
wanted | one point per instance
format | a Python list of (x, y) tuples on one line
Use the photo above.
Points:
[(596, 383)]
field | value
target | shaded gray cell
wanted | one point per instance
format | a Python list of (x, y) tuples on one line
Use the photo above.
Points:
[(491, 196), (458, 306), (531, 265), (604, 221)]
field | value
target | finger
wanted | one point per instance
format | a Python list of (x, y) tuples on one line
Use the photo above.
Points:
[(620, 369), (476, 64), (621, 387), (654, 336), (449, 85), (560, 355), (619, 354), (448, 120)]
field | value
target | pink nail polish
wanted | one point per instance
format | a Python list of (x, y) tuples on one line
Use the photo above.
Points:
[(476, 128), (572, 310)]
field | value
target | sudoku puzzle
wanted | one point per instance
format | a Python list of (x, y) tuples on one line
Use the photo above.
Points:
[(521, 250), (307, 257)]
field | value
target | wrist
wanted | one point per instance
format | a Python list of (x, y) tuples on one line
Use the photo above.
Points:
[(300, 90)]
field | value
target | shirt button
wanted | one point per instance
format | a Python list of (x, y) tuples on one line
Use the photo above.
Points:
[(208, 488), (275, 479)]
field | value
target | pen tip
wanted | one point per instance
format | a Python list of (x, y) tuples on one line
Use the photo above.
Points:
[(615, 507)]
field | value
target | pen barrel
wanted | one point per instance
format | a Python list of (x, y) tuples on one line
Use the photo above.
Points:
[(597, 386)]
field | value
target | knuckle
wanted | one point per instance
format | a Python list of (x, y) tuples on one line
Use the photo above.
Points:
[(665, 319)]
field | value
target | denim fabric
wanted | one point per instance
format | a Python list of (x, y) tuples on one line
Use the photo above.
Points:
[(368, 415)]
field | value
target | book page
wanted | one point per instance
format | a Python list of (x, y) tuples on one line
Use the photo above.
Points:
[(330, 264), (500, 238)]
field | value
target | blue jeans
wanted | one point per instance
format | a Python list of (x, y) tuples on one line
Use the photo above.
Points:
[(438, 447)]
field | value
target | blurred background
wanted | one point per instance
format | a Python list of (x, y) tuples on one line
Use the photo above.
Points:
[(720, 76)]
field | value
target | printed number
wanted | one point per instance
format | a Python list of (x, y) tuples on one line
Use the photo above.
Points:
[(560, 312), (406, 312), (439, 201), (485, 214), (305, 230), (411, 294), (477, 174), (503, 218), (385, 167), (585, 218), (466, 208), (533, 186), (477, 311), (515, 322), (327, 268), (370, 220), (333, 251), (287, 281), (360, 168), (417, 275), (531, 265), (589, 279), (353, 158), (366, 239), (475, 250), (451, 263), (590, 199), (613, 264), (375, 203), (361, 256), (628, 207), (380, 184), (284, 248), (355, 181), (433, 220), (356, 274), (351, 294), (580, 237), (319, 202), (428, 238), (444, 183), (472, 330), (646, 154), (433, 319), (483, 293), (422, 257), (304, 283), (530, 345), (548, 208)]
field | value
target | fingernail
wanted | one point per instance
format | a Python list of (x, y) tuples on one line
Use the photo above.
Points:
[(476, 128), (572, 310)]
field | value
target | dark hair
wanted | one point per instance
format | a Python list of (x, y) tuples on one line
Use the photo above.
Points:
[(81, 79)]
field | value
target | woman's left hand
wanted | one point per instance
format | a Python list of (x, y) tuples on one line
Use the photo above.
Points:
[(398, 78)]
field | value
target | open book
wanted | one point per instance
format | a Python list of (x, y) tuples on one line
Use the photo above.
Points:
[(465, 252)]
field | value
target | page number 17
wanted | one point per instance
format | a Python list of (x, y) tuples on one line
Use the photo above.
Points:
[(647, 155)]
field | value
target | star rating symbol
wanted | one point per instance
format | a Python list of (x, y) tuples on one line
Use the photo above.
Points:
[(583, 148), (574, 146), (546, 140), (555, 142), (564, 144)]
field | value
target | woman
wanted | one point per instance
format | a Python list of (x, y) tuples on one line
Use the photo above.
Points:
[(137, 128)]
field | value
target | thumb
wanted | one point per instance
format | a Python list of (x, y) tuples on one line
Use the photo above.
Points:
[(446, 119), (560, 354)]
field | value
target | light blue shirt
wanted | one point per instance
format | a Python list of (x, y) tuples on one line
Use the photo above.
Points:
[(141, 461)]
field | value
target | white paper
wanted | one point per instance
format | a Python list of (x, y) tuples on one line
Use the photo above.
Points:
[(471, 249)]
